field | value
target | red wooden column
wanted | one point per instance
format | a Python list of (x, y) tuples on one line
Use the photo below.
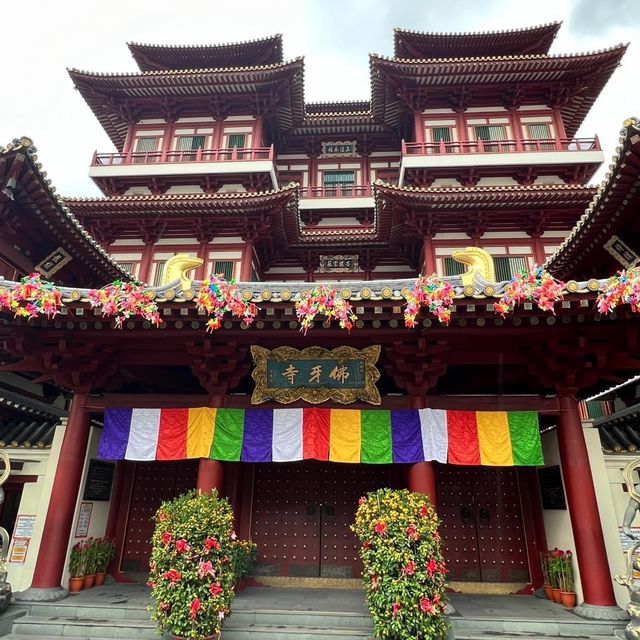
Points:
[(52, 553), (428, 256), (210, 476), (583, 511), (247, 260), (421, 476)]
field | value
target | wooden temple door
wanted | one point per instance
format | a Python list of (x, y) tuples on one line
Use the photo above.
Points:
[(482, 526), (153, 483), (302, 513)]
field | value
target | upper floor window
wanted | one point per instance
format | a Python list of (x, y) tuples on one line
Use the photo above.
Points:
[(490, 132), (224, 267), (187, 143), (127, 267), (146, 144), (453, 268), (540, 131), (338, 182), (441, 134), (236, 140), (506, 266)]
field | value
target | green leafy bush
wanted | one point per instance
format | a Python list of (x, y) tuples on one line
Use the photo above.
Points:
[(244, 558), (192, 571), (76, 560), (404, 571)]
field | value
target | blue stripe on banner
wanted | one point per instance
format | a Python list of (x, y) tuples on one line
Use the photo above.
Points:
[(258, 435), (406, 436), (115, 434)]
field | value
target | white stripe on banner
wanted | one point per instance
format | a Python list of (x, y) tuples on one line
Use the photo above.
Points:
[(143, 436), (287, 435), (433, 424)]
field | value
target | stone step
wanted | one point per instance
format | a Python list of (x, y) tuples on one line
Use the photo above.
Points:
[(68, 609), (54, 626), (295, 618)]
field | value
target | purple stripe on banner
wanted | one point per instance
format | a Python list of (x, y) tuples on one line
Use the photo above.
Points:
[(115, 434), (406, 436), (258, 435)]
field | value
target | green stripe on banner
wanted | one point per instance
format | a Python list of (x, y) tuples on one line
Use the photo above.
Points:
[(525, 438), (227, 438), (376, 437)]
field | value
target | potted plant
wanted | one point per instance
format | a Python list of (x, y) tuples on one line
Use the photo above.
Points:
[(244, 559), (404, 571), (545, 560), (90, 560), (76, 567), (567, 581), (106, 551), (555, 568), (192, 568)]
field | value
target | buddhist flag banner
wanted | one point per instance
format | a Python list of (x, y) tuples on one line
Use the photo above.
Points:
[(493, 438)]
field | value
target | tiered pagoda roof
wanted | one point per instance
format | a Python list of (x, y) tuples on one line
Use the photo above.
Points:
[(572, 82), (118, 99), (159, 57), (425, 44), (36, 219), (613, 211)]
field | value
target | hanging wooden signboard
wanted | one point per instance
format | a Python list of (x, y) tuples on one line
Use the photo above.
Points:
[(315, 374)]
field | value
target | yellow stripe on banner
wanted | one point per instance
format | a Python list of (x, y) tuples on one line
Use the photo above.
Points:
[(494, 438), (345, 435), (202, 422)]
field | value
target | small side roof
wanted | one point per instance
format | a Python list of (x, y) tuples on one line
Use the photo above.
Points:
[(163, 57), (430, 44)]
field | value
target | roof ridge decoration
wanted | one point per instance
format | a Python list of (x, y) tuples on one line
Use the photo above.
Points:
[(275, 36), (26, 144), (176, 72), (485, 188), (555, 23)]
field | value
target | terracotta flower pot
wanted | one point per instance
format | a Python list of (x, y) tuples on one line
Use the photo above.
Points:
[(99, 578), (215, 636), (556, 595), (548, 591), (75, 584), (88, 581), (568, 599)]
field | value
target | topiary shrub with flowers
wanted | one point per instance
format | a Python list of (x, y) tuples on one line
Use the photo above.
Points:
[(192, 573), (404, 571)]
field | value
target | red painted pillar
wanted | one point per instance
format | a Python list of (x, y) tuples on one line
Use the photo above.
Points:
[(247, 261), (583, 507), (421, 476), (145, 264), (418, 125), (428, 257), (66, 485), (210, 476)]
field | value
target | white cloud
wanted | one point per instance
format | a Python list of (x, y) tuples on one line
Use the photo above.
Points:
[(41, 38)]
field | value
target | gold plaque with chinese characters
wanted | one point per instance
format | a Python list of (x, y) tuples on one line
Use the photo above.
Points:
[(315, 374)]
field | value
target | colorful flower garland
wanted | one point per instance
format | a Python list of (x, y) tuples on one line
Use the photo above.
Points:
[(537, 286), (123, 300), (623, 288), (431, 292), (32, 297), (324, 300), (217, 296)]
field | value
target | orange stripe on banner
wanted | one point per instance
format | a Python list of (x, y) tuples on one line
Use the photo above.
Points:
[(315, 433), (202, 422), (494, 438), (172, 434), (463, 438), (345, 440)]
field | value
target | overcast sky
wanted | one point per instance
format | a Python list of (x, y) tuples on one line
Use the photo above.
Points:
[(41, 38)]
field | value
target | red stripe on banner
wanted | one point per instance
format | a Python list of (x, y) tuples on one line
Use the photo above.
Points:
[(315, 433), (172, 436), (464, 447)]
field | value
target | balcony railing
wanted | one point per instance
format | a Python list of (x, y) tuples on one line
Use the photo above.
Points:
[(176, 157), (338, 191), (499, 146)]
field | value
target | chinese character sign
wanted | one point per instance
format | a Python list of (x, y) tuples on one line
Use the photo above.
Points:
[(315, 374), (338, 148)]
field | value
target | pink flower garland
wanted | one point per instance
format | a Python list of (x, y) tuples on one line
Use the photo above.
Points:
[(623, 288), (217, 296), (124, 300), (32, 297), (326, 301), (537, 285), (431, 292)]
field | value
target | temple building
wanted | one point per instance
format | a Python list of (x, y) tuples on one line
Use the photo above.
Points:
[(466, 163)]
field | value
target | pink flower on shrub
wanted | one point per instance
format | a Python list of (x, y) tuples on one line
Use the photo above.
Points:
[(233, 535), (412, 532), (436, 536), (380, 527), (424, 511), (162, 516), (396, 607), (215, 589), (195, 606), (172, 575), (164, 606), (166, 537), (182, 545), (366, 544), (205, 569), (221, 614), (426, 606), (211, 543), (432, 567), (361, 500), (442, 568), (375, 582), (410, 568)]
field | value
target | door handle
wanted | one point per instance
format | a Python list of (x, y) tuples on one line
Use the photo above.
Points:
[(311, 511), (484, 517), (329, 510), (466, 515)]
